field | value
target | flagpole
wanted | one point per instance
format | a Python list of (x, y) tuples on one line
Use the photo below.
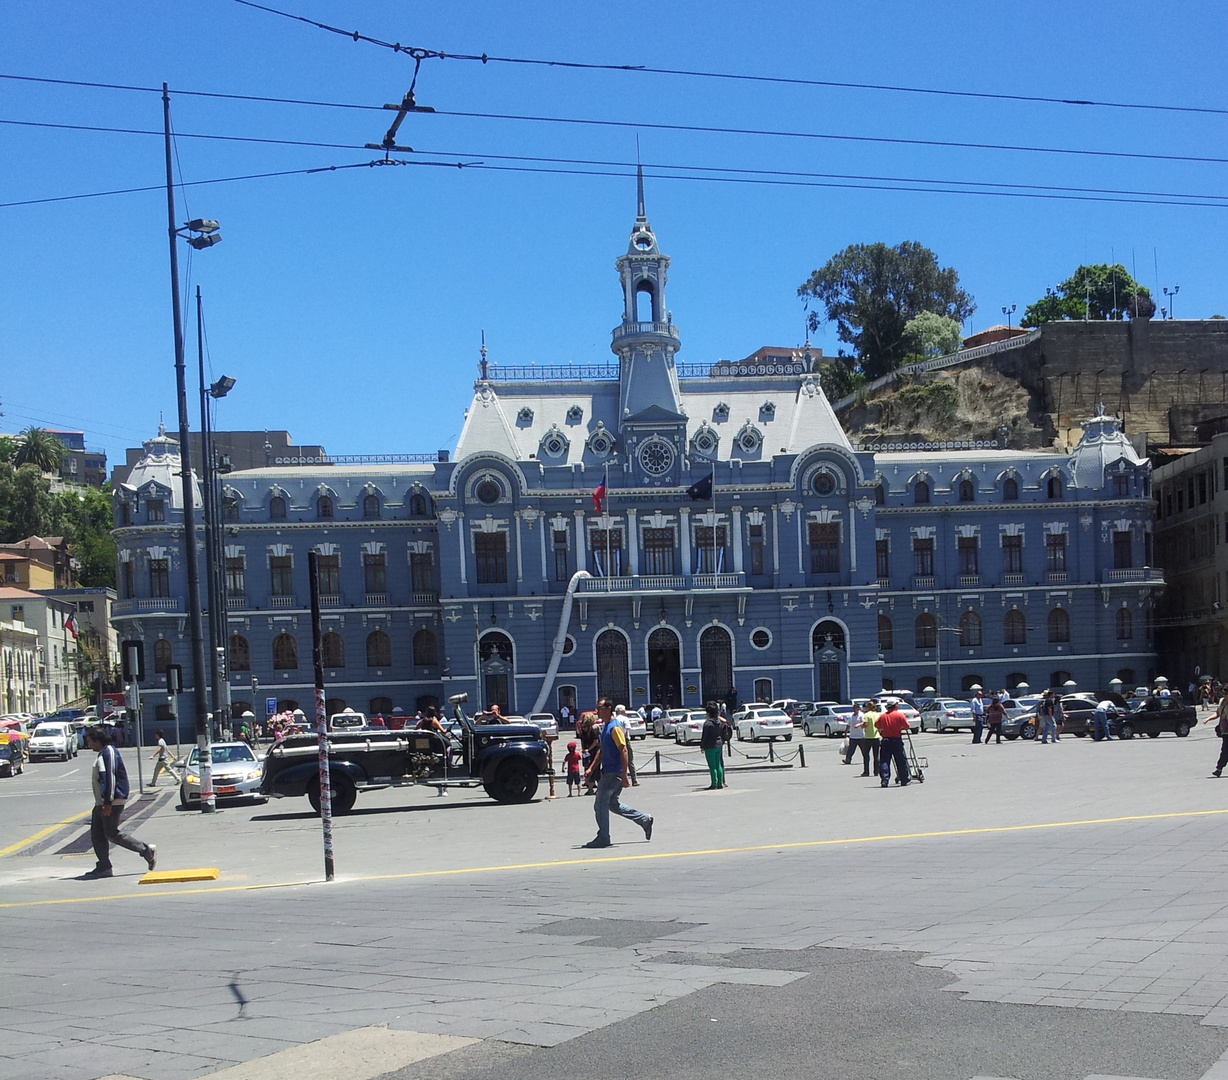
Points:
[(606, 484)]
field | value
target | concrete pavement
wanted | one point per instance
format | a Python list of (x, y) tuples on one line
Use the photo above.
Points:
[(1029, 911)]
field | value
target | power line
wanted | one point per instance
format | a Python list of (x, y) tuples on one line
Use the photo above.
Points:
[(420, 53)]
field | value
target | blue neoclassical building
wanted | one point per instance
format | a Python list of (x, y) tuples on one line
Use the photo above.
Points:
[(658, 531)]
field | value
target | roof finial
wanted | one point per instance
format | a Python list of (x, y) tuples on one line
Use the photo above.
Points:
[(482, 363), (639, 184)]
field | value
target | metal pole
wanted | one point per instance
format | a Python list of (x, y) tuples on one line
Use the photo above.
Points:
[(134, 709), (317, 662), (206, 485), (204, 736), (173, 701)]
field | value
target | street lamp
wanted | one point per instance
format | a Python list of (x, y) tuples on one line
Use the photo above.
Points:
[(1172, 300), (1008, 312), (200, 233)]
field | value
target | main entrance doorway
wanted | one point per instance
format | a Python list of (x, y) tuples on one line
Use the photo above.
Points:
[(828, 646), (716, 666), (613, 679), (496, 655), (664, 668)]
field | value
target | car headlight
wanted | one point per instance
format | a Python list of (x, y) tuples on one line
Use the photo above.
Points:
[(253, 775), (191, 778)]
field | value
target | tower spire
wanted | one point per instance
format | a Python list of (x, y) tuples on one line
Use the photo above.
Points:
[(639, 184)]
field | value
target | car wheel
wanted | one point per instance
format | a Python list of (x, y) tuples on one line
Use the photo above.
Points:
[(1127, 731), (183, 800), (738, 731), (827, 730), (1027, 732), (788, 738), (1010, 738), (754, 735), (514, 782), (1153, 734), (1182, 729)]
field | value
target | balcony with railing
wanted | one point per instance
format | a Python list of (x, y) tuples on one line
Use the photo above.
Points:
[(1012, 579), (632, 330), (923, 581), (377, 599), (969, 581), (1056, 577), (1152, 574), (148, 603), (282, 602), (641, 583), (332, 600), (429, 597)]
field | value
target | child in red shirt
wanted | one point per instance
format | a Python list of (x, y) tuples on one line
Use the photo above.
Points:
[(572, 761)]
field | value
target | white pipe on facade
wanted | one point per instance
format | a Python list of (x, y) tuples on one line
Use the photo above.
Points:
[(560, 639)]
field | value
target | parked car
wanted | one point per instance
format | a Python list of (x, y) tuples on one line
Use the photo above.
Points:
[(663, 726), (794, 709), (12, 752), (763, 723), (53, 739), (946, 714), (690, 728), (347, 721), (235, 771), (1077, 710), (828, 720), (1153, 716), (547, 722)]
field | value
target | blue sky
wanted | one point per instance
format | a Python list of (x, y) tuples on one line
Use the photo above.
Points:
[(349, 305)]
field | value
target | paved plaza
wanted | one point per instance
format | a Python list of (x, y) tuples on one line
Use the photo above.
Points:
[(1028, 912)]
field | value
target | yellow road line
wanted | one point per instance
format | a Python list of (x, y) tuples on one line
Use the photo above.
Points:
[(43, 832), (595, 861)]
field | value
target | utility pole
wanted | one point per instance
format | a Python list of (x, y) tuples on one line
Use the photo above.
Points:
[(204, 736), (216, 627)]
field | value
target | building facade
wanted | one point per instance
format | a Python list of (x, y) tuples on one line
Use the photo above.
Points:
[(57, 681), (662, 532), (19, 690)]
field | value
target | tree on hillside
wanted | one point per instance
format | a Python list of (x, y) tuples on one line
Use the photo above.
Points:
[(871, 291), (25, 503), (40, 448), (932, 335), (1093, 292)]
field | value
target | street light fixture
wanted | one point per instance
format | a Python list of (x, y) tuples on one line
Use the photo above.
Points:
[(1008, 312), (1172, 300)]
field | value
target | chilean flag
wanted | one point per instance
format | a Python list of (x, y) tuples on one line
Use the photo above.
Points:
[(599, 496), (70, 624)]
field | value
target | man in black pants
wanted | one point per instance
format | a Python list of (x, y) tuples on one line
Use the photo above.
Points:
[(1220, 716), (109, 779), (891, 727)]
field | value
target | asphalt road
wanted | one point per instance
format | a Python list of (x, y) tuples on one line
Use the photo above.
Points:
[(1028, 912)]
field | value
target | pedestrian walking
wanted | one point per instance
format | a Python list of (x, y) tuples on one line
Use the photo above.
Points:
[(163, 761), (109, 779), (977, 705), (1220, 716), (870, 739), (995, 713), (856, 734), (891, 727), (710, 744), (610, 762), (589, 741)]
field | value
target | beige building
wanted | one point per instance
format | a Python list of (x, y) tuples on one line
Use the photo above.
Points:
[(1191, 538), (18, 668), (58, 680)]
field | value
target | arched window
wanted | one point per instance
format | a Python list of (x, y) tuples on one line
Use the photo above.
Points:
[(1015, 628), (334, 705), (1059, 626), (715, 664), (277, 508), (1053, 488), (332, 650), (1125, 624), (886, 634), (417, 506), (969, 630), (967, 491), (1059, 679), (370, 507), (426, 649), (880, 495), (827, 632), (230, 508), (921, 493), (925, 631), (613, 679), (1010, 489), (324, 508), (379, 705), (645, 302), (240, 653), (162, 656), (1017, 680), (379, 649), (285, 653), (967, 682)]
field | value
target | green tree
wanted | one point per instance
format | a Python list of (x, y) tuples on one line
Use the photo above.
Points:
[(39, 448), (1096, 292), (871, 291), (932, 335), (8, 449), (839, 377), (83, 517), (26, 506)]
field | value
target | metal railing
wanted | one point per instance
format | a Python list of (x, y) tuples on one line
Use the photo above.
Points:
[(426, 598), (282, 602), (1012, 579), (717, 581), (1057, 577), (636, 328), (969, 581), (331, 600), (154, 603), (1142, 573), (923, 582), (377, 599), (552, 372)]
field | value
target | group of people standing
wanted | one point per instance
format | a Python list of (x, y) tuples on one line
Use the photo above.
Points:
[(879, 736)]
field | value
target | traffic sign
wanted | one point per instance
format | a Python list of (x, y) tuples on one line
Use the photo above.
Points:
[(270, 705)]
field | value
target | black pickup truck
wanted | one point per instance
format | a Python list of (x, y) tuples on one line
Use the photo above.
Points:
[(504, 759)]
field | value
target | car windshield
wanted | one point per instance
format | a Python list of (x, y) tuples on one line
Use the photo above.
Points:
[(48, 729), (225, 754), (771, 714)]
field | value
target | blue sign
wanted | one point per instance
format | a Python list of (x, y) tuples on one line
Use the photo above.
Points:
[(270, 705)]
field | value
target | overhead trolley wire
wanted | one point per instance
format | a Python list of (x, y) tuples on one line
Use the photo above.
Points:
[(421, 53)]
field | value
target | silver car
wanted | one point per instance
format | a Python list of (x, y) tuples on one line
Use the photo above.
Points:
[(946, 714), (236, 774), (829, 720)]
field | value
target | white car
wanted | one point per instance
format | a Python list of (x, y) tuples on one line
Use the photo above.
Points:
[(690, 728), (635, 726), (829, 720), (547, 722), (663, 726), (756, 724), (946, 714), (56, 740), (235, 770), (347, 721)]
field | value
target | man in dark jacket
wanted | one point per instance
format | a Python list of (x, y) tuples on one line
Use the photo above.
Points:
[(110, 782)]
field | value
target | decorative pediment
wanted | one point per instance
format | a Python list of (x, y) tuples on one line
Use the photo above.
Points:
[(327, 549), (525, 415), (373, 547), (720, 412)]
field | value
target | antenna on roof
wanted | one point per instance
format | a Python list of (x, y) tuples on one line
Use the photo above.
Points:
[(482, 365), (639, 183)]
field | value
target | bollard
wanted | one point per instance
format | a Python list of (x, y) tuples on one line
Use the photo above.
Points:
[(550, 763), (771, 750), (658, 756), (801, 755)]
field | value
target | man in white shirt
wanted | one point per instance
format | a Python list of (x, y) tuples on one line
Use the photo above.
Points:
[(977, 704)]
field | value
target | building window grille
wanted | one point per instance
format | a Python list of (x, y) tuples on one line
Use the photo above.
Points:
[(1059, 626), (710, 549), (1012, 554), (969, 556), (332, 650), (967, 491), (923, 557), (560, 554), (886, 634), (1015, 628), (422, 572), (1123, 551), (155, 510), (925, 631), (324, 508), (1121, 487), (370, 507), (285, 653), (379, 650), (921, 493), (162, 656), (328, 568), (159, 577), (1053, 489), (426, 649), (1055, 552), (1010, 489), (824, 548), (970, 630), (659, 552), (235, 573), (882, 559), (240, 653), (375, 573), (277, 508), (606, 552), (490, 558)]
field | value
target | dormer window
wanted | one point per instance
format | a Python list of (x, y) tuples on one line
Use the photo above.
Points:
[(705, 441), (823, 483), (554, 444), (600, 442), (155, 510), (749, 439), (277, 508), (230, 508), (1053, 488), (721, 412), (767, 410), (525, 416), (370, 507), (324, 508)]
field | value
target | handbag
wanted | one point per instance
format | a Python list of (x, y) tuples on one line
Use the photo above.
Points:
[(844, 746)]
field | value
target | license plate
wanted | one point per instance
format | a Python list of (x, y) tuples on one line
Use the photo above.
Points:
[(224, 789)]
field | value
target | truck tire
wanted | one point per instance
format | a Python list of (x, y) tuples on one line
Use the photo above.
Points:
[(513, 782), (342, 792)]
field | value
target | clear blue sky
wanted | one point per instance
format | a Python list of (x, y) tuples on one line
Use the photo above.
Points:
[(348, 305)]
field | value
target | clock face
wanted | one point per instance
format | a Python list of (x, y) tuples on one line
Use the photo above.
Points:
[(656, 456)]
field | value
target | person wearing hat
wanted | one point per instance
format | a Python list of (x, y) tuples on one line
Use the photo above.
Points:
[(572, 763)]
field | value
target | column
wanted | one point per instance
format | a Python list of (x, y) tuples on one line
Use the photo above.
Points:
[(684, 527), (801, 566), (736, 512), (545, 575), (852, 519), (460, 535), (633, 542), (581, 548), (775, 540), (519, 558)]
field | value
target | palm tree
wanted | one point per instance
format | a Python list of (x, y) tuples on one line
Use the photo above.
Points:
[(40, 448)]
